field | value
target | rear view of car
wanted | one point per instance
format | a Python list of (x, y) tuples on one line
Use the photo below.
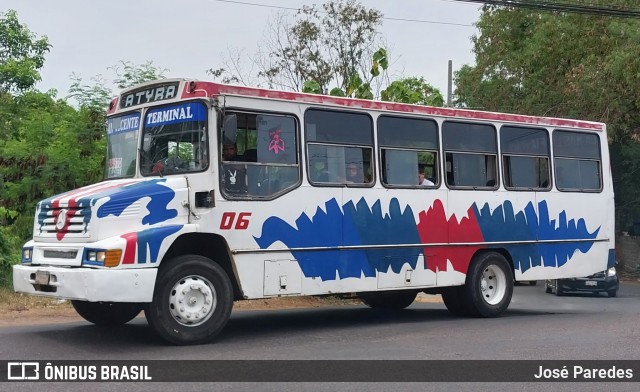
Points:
[(605, 281)]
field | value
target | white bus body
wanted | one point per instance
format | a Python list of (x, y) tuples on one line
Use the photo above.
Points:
[(182, 231)]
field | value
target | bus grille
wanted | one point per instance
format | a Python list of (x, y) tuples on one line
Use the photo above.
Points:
[(63, 222)]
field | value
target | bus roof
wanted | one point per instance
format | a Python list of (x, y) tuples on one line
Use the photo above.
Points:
[(196, 88)]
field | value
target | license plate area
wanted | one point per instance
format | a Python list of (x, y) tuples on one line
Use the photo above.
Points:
[(43, 277), (591, 283)]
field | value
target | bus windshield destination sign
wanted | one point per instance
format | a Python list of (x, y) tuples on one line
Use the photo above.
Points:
[(149, 94)]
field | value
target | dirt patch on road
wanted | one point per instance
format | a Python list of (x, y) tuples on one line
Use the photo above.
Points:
[(20, 309)]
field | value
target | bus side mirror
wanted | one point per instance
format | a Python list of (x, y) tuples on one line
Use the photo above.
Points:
[(229, 129)]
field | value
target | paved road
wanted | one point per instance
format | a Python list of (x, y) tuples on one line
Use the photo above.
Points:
[(537, 326)]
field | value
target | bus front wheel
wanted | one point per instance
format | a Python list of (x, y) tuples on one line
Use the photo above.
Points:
[(489, 285), (192, 300), (107, 313)]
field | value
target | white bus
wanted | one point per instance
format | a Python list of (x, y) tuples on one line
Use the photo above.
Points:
[(218, 193)]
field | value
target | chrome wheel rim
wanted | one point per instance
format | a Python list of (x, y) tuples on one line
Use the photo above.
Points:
[(192, 300), (493, 284)]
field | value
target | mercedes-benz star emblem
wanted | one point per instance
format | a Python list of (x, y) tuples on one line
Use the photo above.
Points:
[(62, 219)]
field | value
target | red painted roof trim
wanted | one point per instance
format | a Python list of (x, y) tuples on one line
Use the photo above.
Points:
[(209, 89)]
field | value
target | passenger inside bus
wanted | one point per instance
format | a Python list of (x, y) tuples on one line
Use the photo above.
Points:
[(355, 175), (422, 180), (229, 152)]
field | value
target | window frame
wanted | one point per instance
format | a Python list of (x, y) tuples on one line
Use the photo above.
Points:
[(371, 148), (220, 163), (436, 151), (504, 155), (579, 159), (138, 133), (446, 151)]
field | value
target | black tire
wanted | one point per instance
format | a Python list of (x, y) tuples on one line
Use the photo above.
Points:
[(559, 291), (547, 288), (107, 313), (193, 278), (453, 299), (489, 285), (612, 293), (395, 300)]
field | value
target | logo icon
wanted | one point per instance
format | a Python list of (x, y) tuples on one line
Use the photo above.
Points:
[(23, 371), (61, 219), (232, 177)]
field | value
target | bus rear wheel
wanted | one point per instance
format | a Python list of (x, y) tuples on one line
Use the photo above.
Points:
[(192, 300), (489, 285), (389, 300), (107, 313)]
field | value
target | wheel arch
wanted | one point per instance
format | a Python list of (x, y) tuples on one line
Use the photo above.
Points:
[(208, 245), (502, 251)]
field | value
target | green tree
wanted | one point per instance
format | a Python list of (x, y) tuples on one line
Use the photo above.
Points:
[(21, 54), (357, 88), (129, 74), (94, 95), (333, 45), (334, 49), (563, 65), (97, 94), (413, 90), (55, 148)]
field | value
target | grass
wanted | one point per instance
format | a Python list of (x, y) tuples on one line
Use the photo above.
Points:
[(16, 302)]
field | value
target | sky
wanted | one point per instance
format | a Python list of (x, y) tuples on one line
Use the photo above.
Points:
[(188, 37)]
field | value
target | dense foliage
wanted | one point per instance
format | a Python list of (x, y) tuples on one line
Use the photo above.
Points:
[(47, 145), (564, 65), (21, 54)]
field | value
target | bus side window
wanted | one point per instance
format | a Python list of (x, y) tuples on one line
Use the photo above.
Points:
[(472, 151), (339, 147), (409, 150), (267, 149), (577, 161), (525, 157)]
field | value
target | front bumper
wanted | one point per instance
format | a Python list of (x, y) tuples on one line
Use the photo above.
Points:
[(595, 285), (89, 284)]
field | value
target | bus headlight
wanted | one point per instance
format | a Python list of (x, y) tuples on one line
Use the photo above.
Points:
[(27, 255), (611, 271), (103, 257), (96, 256)]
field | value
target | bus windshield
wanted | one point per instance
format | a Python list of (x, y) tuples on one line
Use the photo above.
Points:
[(174, 140), (122, 140)]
